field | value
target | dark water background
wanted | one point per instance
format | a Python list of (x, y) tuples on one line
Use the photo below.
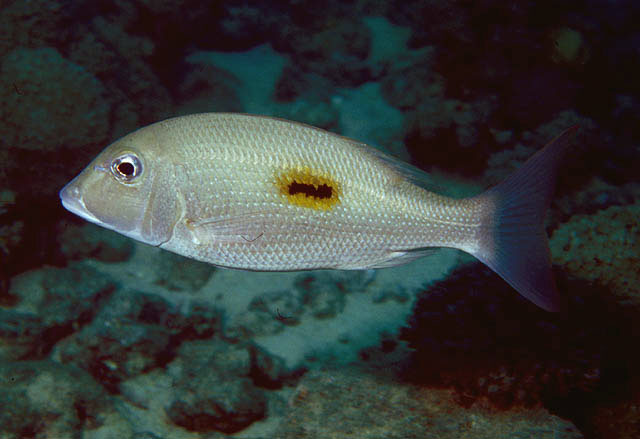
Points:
[(101, 337)]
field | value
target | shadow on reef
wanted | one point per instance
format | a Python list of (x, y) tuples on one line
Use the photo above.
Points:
[(472, 332)]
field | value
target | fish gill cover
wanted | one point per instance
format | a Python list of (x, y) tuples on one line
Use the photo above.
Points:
[(103, 336)]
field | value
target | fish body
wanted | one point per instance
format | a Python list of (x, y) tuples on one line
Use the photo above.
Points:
[(261, 193)]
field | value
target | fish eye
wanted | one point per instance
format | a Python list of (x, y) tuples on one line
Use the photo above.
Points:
[(126, 167)]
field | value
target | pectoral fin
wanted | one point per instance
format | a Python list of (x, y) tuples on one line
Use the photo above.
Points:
[(247, 227)]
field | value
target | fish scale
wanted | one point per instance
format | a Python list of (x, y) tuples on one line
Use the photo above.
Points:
[(261, 193), (250, 162)]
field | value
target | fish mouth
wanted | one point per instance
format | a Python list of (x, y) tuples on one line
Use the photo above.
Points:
[(71, 198)]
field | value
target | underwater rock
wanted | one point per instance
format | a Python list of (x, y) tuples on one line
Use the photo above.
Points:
[(345, 281), (52, 304), (409, 87), (134, 81), (267, 314), (620, 419), (212, 388), (594, 196), (295, 83), (460, 125), (336, 49), (399, 295), (226, 406), (434, 21), (473, 333), (177, 273), (132, 334), (323, 301), (20, 332), (41, 92), (319, 294), (269, 371), (47, 400), (322, 293), (350, 403), (603, 248), (244, 25), (206, 88), (390, 48), (115, 354), (90, 241), (118, 44), (35, 23)]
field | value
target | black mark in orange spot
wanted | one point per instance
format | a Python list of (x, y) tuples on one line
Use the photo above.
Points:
[(320, 191), (307, 188)]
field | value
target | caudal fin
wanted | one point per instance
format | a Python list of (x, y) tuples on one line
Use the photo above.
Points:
[(515, 244)]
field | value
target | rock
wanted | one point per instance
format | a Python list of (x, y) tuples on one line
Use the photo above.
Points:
[(212, 389), (474, 333), (52, 304), (35, 24), (41, 93), (269, 371), (459, 124), (45, 399), (90, 241), (348, 403), (267, 314), (178, 273), (223, 406), (132, 334), (20, 333), (603, 248), (618, 419), (208, 88), (321, 298), (337, 49)]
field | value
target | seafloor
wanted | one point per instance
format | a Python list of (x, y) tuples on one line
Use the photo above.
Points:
[(102, 337)]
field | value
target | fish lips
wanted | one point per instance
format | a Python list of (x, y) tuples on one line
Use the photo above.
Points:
[(71, 198)]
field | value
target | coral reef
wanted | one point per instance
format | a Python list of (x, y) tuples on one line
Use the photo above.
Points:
[(42, 92), (340, 403), (89, 241), (213, 390), (603, 248), (52, 304), (46, 399), (473, 333), (132, 334)]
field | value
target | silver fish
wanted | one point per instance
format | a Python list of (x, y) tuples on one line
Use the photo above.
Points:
[(260, 193)]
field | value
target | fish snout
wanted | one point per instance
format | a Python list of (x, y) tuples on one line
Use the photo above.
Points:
[(71, 197)]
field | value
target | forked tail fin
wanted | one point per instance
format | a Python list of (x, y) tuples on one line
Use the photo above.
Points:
[(514, 243)]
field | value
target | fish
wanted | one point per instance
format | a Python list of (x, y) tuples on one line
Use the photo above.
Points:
[(266, 194)]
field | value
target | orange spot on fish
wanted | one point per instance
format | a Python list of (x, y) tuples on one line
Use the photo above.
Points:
[(308, 188)]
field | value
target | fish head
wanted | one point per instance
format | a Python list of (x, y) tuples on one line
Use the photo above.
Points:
[(122, 189)]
